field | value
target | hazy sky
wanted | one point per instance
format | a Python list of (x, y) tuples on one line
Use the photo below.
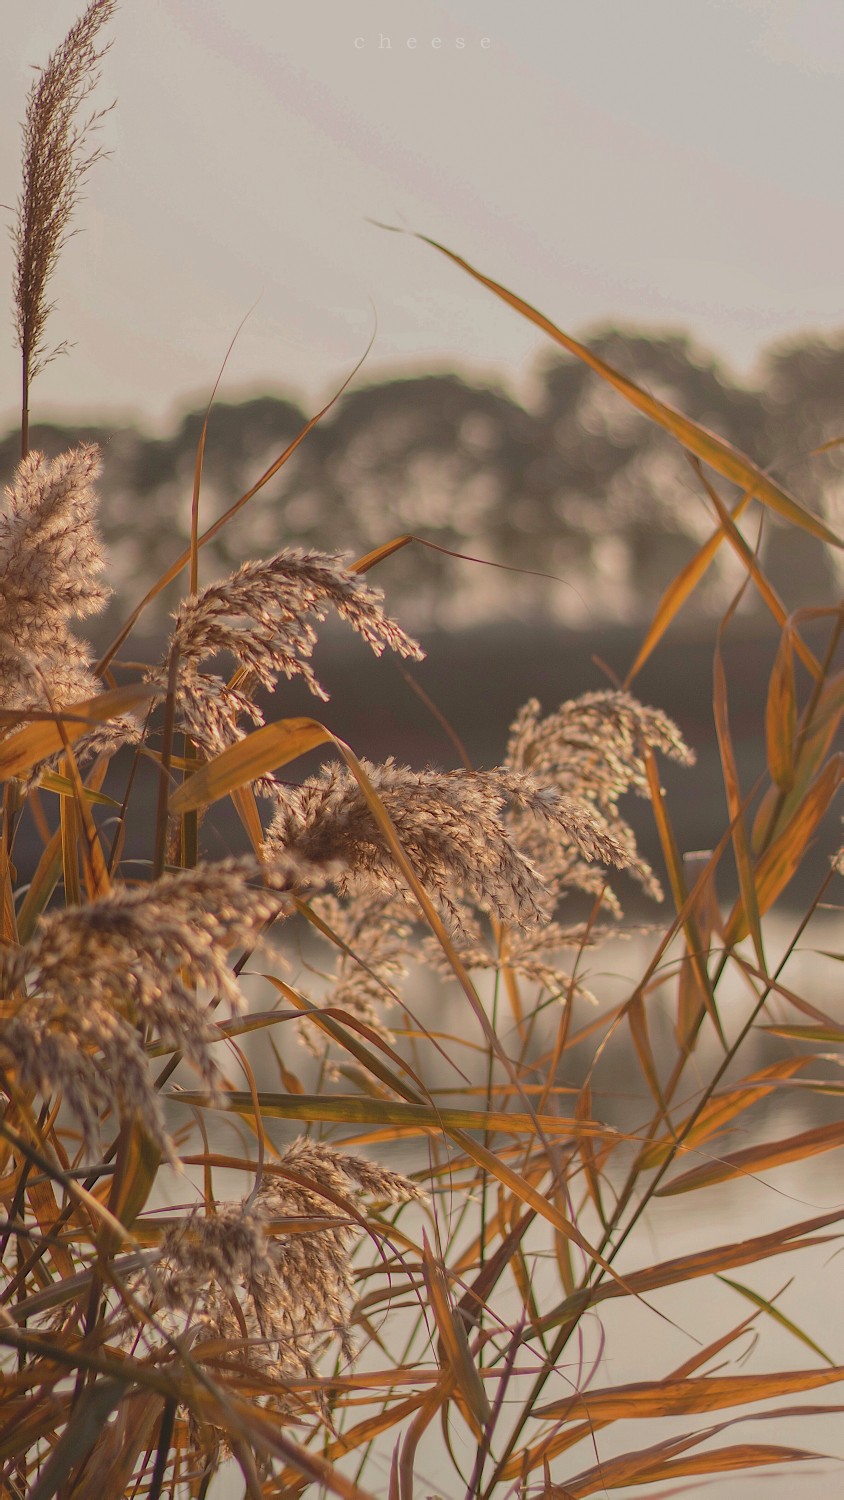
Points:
[(669, 163)]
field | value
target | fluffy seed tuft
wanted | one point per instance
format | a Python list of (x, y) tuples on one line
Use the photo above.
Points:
[(260, 617)]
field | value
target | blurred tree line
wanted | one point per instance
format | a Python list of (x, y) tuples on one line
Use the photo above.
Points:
[(574, 484)]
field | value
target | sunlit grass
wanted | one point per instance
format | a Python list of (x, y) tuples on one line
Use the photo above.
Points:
[(269, 1214)]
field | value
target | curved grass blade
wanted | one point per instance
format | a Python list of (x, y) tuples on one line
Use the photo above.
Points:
[(79, 1436), (23, 750), (256, 755), (634, 1468), (713, 450), (685, 907), (184, 557), (354, 1109), (721, 1110), (766, 590), (51, 781), (761, 1158), (454, 1345), (748, 905), (814, 740), (702, 1263), (646, 1399), (781, 716), (681, 587), (784, 856), (378, 554), (779, 1317)]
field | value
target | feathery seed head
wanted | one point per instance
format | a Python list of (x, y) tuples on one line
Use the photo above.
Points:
[(133, 958), (55, 164), (450, 825), (374, 928), (591, 750), (287, 1291), (260, 616), (50, 559)]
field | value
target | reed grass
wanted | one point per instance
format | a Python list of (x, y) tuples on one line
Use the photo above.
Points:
[(294, 1316)]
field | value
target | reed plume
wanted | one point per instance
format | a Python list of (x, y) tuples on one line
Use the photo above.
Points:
[(451, 827), (592, 748), (262, 617), (278, 1295), (96, 978), (374, 933), (56, 160), (50, 562)]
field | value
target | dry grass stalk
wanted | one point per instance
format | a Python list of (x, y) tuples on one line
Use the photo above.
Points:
[(56, 161)]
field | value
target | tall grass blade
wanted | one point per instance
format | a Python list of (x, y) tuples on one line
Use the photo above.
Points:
[(781, 716), (783, 858), (768, 1307), (714, 451), (755, 1159)]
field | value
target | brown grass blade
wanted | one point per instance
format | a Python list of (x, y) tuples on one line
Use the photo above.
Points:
[(700, 875), (681, 588), (454, 1345), (647, 1399), (372, 1427), (819, 1035), (256, 755), (703, 1263), (23, 750), (95, 869), (79, 1437), (747, 905), (246, 806), (781, 716), (635, 1468), (378, 554), (720, 1112), (138, 1161), (814, 739), (69, 827), (586, 1149), (519, 1186), (43, 883), (359, 1109), (51, 781), (766, 590), (638, 1022), (8, 921), (784, 856), (681, 896), (713, 450), (761, 1158), (42, 1199), (358, 1039)]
